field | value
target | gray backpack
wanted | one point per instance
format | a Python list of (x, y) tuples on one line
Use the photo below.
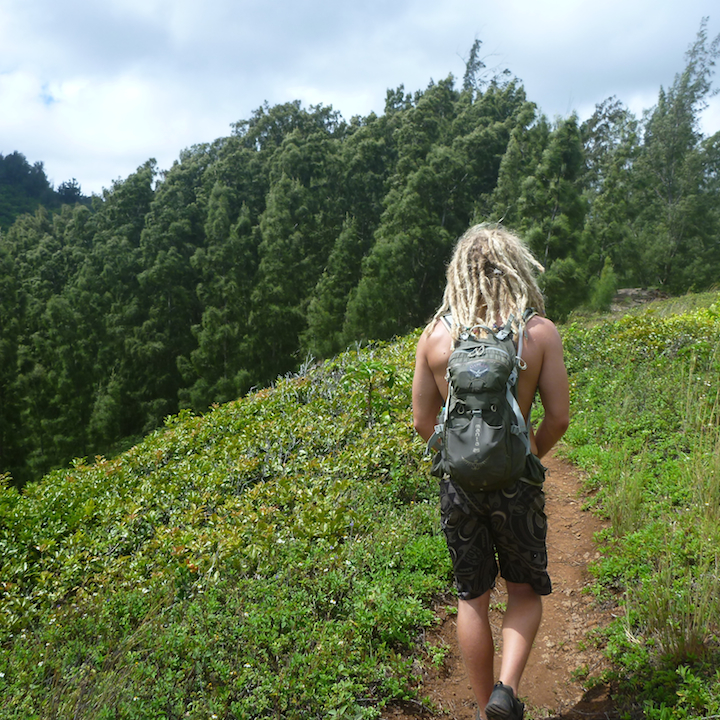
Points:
[(481, 438)]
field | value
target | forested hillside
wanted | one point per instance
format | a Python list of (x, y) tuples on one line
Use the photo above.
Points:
[(25, 187), (282, 555), (302, 233)]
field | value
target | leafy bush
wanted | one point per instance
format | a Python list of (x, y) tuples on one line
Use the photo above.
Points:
[(646, 425), (275, 558)]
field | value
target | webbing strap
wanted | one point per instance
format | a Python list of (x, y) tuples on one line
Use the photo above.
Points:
[(527, 316), (522, 425), (520, 343), (435, 441)]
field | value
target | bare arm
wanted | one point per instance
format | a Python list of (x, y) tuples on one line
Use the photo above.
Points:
[(430, 356), (554, 394)]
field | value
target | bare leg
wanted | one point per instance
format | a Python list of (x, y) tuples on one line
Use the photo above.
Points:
[(520, 626), (476, 644)]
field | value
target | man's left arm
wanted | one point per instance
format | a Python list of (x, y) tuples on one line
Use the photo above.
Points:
[(554, 393)]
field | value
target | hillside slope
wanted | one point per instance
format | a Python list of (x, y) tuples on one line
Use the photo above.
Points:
[(275, 558), (279, 556)]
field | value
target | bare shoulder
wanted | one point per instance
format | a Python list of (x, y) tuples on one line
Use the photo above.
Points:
[(542, 342), (544, 369), (542, 331), (543, 359), (436, 346)]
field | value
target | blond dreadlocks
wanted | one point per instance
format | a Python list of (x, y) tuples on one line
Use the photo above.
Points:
[(490, 277)]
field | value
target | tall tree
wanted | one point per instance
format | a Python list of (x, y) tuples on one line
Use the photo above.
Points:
[(216, 369), (23, 188), (450, 147), (402, 272), (174, 229), (528, 139), (675, 234), (612, 144), (540, 194), (11, 401), (368, 158), (328, 303), (110, 282)]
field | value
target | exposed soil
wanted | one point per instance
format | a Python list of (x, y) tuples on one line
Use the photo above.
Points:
[(632, 297), (564, 651)]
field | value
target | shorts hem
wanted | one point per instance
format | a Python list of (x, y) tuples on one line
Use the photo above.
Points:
[(470, 595)]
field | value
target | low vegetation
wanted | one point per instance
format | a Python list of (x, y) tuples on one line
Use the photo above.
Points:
[(275, 558), (279, 556), (646, 426)]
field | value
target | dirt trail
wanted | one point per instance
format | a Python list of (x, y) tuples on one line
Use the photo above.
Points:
[(561, 649)]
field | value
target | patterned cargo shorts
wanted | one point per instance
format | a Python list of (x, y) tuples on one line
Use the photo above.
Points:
[(509, 523)]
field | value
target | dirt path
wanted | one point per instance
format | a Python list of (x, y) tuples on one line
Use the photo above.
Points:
[(550, 686)]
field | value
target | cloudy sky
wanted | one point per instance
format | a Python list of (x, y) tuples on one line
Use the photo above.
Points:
[(94, 88)]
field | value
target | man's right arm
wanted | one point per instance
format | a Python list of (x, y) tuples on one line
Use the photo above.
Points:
[(426, 397)]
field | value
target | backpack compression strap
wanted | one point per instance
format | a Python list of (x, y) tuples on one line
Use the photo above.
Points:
[(521, 428)]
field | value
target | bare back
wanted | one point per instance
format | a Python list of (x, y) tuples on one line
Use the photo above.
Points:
[(543, 354)]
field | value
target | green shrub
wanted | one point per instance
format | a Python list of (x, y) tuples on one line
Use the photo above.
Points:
[(646, 428), (277, 557)]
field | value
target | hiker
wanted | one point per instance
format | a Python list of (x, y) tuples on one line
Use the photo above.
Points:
[(491, 277)]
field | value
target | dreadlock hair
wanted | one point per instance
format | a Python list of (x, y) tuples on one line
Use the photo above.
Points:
[(491, 276)]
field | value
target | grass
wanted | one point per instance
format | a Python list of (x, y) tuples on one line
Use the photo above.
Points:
[(279, 556), (646, 428)]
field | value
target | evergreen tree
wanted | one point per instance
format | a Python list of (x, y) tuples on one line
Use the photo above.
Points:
[(611, 145), (174, 229), (528, 139), (547, 205), (39, 269), (403, 271), (675, 235), (111, 276), (293, 253), (302, 218), (450, 147), (474, 67), (11, 400), (328, 304), (23, 188), (216, 370)]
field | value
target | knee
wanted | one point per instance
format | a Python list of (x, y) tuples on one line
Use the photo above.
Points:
[(522, 592), (479, 605)]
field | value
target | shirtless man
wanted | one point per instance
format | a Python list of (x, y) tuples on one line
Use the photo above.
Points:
[(490, 277)]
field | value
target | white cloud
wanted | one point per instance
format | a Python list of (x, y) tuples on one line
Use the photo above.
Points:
[(710, 120), (95, 89)]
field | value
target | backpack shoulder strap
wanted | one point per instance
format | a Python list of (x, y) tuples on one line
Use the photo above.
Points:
[(529, 313), (522, 425)]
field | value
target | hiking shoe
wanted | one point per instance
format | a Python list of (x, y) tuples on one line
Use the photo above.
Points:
[(503, 705)]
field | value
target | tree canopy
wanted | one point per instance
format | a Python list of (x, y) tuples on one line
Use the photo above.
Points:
[(302, 233), (25, 187)]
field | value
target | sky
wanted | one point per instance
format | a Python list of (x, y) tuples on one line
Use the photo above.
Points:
[(95, 88)]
